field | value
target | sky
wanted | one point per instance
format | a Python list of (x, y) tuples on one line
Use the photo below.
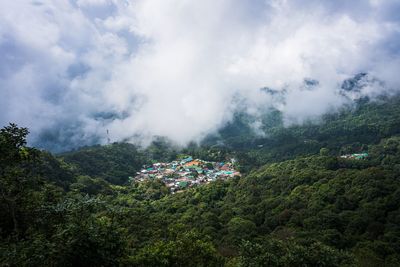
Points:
[(72, 69)]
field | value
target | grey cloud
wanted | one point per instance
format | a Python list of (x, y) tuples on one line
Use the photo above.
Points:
[(69, 70)]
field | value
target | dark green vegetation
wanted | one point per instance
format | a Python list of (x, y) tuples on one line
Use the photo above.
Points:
[(351, 129), (299, 204), (116, 162)]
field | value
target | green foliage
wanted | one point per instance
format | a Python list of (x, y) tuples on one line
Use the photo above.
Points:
[(116, 162), (92, 186), (113, 163), (273, 252), (240, 228), (186, 249), (349, 130), (324, 151), (18, 181), (76, 235)]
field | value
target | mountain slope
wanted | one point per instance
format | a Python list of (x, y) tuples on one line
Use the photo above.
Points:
[(349, 130)]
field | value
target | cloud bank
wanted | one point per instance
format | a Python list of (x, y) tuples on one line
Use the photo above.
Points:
[(70, 70)]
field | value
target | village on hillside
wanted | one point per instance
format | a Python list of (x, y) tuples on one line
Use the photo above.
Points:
[(188, 172)]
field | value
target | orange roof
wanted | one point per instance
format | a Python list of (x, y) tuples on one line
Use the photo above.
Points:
[(225, 167), (193, 162)]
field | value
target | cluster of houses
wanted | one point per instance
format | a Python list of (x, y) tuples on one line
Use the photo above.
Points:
[(188, 172), (355, 156)]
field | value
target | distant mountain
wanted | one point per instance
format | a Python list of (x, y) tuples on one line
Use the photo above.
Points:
[(361, 85), (353, 127)]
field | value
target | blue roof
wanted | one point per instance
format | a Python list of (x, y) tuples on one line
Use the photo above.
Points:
[(188, 159)]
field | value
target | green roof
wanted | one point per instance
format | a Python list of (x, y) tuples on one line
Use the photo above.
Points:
[(183, 184), (360, 156)]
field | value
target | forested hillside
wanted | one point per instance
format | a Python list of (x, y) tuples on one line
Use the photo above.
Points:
[(351, 129), (298, 204)]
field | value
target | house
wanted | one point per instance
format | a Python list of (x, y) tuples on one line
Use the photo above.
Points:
[(355, 156), (183, 184), (195, 162), (225, 168), (188, 159)]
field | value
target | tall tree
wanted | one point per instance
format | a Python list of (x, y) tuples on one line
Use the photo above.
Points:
[(18, 179)]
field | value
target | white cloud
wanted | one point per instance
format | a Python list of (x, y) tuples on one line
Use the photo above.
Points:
[(173, 67), (91, 3)]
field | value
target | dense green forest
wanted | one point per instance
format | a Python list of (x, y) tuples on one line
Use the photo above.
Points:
[(298, 203)]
